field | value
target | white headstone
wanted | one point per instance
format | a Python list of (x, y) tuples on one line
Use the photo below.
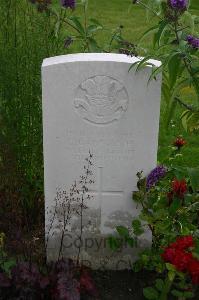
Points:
[(92, 102)]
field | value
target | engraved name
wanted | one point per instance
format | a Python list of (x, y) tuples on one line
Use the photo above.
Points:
[(104, 146)]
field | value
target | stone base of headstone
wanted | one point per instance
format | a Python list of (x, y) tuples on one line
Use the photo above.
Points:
[(95, 251)]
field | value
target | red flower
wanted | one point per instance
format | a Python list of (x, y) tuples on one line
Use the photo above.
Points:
[(179, 187), (182, 260), (169, 254), (185, 242), (177, 257), (179, 143), (193, 268)]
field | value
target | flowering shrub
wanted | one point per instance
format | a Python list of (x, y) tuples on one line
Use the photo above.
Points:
[(169, 198), (78, 29), (175, 43)]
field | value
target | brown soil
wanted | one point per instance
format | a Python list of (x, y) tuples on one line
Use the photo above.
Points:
[(124, 285), (120, 285)]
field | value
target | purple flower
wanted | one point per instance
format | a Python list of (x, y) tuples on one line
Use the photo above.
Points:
[(155, 175), (68, 3), (178, 4), (193, 41)]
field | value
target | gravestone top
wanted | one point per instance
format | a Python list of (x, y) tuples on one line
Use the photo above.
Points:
[(92, 103), (85, 57)]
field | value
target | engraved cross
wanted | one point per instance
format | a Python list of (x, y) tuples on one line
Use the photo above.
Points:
[(100, 192)]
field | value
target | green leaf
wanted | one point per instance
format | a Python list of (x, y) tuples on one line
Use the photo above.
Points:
[(123, 231), (179, 172), (193, 122), (77, 24), (143, 63), (173, 67), (177, 293), (158, 35), (96, 22), (174, 206), (93, 46), (170, 267), (159, 284), (184, 119), (136, 196), (141, 184), (114, 243), (92, 29), (150, 293), (133, 65), (171, 275), (136, 223), (155, 72), (149, 31), (6, 266), (137, 227), (181, 294), (187, 20), (188, 295), (131, 242)]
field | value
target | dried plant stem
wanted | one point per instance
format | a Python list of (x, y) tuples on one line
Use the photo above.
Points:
[(66, 221), (69, 205), (84, 191)]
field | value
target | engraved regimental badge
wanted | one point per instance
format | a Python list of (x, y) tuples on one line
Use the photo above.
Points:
[(101, 99)]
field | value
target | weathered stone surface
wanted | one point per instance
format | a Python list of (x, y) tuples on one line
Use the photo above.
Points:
[(91, 102)]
